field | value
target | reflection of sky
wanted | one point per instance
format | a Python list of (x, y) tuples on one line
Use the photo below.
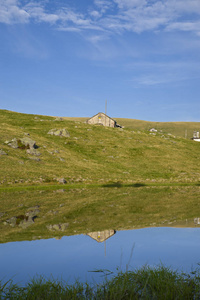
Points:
[(72, 257)]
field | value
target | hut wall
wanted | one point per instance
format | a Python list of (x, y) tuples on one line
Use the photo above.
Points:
[(102, 119)]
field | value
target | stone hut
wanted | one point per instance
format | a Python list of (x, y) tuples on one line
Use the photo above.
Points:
[(102, 119)]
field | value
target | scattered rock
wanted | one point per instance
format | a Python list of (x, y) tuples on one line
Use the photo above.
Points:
[(2, 214), (33, 152), (12, 221), (58, 227), (3, 152), (60, 191), (27, 142), (24, 143), (32, 213), (61, 180), (13, 143), (34, 207), (58, 119), (24, 220), (59, 132), (35, 158)]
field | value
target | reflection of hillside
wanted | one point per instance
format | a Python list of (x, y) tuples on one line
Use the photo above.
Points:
[(101, 236)]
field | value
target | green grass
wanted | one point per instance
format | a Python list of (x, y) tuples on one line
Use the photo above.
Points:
[(145, 283), (116, 178), (95, 154)]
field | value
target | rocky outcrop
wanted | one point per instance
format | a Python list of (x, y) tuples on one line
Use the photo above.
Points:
[(33, 152), (59, 132), (28, 143), (61, 180), (3, 152), (58, 227), (23, 143), (58, 119), (13, 143), (25, 220)]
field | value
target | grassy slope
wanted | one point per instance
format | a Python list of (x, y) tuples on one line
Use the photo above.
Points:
[(95, 154), (180, 129)]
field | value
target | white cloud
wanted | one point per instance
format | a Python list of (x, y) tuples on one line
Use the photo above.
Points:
[(37, 12), (113, 16), (130, 3), (11, 12), (95, 14), (103, 5), (184, 26)]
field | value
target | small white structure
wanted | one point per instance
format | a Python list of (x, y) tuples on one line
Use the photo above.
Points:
[(196, 136), (153, 130)]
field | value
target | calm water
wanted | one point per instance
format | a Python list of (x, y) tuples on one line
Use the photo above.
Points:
[(72, 257)]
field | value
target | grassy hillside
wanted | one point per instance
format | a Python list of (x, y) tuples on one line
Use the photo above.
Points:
[(135, 179), (95, 154), (180, 129)]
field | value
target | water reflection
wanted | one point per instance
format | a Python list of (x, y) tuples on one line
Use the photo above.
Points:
[(197, 221), (72, 257), (101, 236)]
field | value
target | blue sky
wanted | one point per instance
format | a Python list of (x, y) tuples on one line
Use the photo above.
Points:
[(66, 57)]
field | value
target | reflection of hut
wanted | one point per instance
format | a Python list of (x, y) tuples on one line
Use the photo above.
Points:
[(101, 236), (102, 119), (197, 221)]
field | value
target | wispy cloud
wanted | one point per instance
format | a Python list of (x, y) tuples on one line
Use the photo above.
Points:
[(113, 16), (11, 12), (157, 80)]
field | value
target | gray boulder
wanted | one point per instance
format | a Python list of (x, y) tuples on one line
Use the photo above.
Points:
[(24, 221), (27, 142), (58, 119), (61, 180), (59, 132), (58, 227), (33, 152), (13, 143), (24, 143), (3, 152), (12, 221)]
